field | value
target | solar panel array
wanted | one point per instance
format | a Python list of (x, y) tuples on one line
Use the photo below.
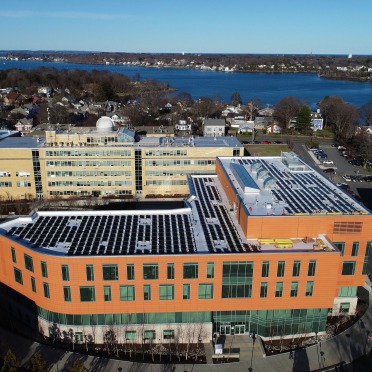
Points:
[(304, 192), (220, 232), (111, 235)]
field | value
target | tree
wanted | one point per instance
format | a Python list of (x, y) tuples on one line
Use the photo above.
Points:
[(38, 364), (103, 92), (11, 362), (344, 120), (78, 366), (366, 114), (286, 110), (362, 145), (304, 119), (328, 106), (252, 107), (236, 99)]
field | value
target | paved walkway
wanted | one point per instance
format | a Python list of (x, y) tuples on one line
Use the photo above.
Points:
[(336, 352)]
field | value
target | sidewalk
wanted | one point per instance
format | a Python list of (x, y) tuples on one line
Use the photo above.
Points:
[(338, 351)]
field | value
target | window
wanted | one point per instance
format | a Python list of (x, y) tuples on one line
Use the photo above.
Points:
[(309, 289), (18, 276), (263, 290), (166, 292), (168, 334), (355, 249), (265, 269), (279, 289), (210, 270), (46, 290), (131, 335), (347, 292), (237, 279), (87, 294), (281, 268), (311, 269), (150, 271), (190, 270), (348, 268), (107, 297), (294, 289), (147, 292), (344, 307), (67, 294), (170, 271), (186, 292), (29, 263), (44, 269), (340, 247), (14, 255), (205, 291), (149, 335), (65, 273), (127, 293), (366, 258), (130, 272), (296, 268), (33, 284), (110, 272), (90, 273)]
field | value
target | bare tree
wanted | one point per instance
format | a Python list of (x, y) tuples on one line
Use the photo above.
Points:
[(286, 110), (362, 145), (366, 114), (252, 107)]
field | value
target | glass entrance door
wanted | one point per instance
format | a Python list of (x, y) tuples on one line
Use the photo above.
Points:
[(240, 329), (225, 329)]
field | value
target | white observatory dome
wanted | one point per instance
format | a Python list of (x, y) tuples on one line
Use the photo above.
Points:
[(105, 124)]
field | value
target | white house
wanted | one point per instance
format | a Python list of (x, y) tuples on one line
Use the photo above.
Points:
[(183, 126), (214, 127), (274, 129)]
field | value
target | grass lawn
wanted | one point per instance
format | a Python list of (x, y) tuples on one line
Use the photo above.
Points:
[(266, 150)]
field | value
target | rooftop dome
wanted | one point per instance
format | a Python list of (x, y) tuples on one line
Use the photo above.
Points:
[(105, 124)]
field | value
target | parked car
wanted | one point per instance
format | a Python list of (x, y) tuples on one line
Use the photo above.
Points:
[(346, 178), (278, 142), (245, 142), (266, 142), (367, 178), (328, 162), (341, 148), (329, 170), (322, 156), (355, 162), (343, 185)]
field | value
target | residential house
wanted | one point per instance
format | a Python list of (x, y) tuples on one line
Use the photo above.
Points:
[(214, 127), (24, 125)]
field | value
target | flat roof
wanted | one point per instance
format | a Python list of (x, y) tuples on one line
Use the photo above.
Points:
[(21, 143), (286, 186)]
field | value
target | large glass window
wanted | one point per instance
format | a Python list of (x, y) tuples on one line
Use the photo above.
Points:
[(65, 273), (263, 289), (210, 270), (340, 246), (87, 294), (281, 269), (107, 293), (18, 276), (131, 335), (296, 268), (110, 272), (130, 272), (279, 289), (348, 268), (265, 269), (311, 269), (294, 289), (170, 271), (237, 279), (366, 258), (127, 293), (309, 289), (150, 271), (33, 284), (67, 294), (147, 292), (190, 270), (186, 291), (149, 335), (347, 291), (355, 249), (90, 273), (14, 255), (44, 269), (46, 290), (29, 263), (205, 291), (166, 292)]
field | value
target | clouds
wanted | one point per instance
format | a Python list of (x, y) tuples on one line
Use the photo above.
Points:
[(61, 15)]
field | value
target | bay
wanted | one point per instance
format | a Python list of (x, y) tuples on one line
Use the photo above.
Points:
[(269, 87)]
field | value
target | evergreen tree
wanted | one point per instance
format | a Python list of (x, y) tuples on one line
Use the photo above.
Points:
[(38, 364), (236, 99), (11, 362), (304, 119), (78, 366)]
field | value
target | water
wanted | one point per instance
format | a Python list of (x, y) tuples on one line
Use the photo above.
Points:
[(270, 88)]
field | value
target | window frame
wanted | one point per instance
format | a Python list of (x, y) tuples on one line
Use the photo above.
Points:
[(29, 262), (130, 272), (309, 291), (190, 270), (205, 291), (265, 269), (186, 291), (18, 275), (110, 272), (44, 269), (296, 268), (168, 296), (92, 289), (344, 265), (147, 291), (89, 271), (130, 293), (355, 249), (65, 270), (14, 254), (46, 290), (107, 293), (280, 271), (294, 291), (210, 270), (170, 271), (67, 293), (279, 289), (311, 269), (264, 286), (154, 274)]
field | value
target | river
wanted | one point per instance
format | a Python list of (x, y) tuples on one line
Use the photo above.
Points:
[(268, 87)]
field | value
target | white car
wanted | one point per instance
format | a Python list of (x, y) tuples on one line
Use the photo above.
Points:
[(346, 178), (328, 162)]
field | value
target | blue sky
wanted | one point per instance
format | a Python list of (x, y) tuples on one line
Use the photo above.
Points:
[(191, 26)]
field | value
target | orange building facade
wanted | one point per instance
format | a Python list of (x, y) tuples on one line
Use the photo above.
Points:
[(238, 257)]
